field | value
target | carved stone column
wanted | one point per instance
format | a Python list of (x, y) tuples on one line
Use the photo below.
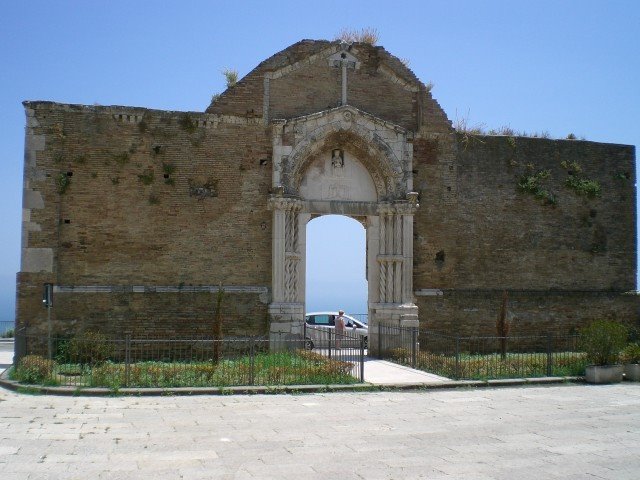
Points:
[(286, 309), (395, 304)]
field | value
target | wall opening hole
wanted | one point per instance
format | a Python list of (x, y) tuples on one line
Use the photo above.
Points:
[(448, 189), (440, 256), (263, 162), (166, 175), (69, 174), (593, 213), (67, 221)]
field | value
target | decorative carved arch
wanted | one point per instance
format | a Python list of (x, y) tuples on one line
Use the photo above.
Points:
[(360, 136)]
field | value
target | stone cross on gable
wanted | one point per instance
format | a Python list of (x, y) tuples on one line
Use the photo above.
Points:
[(344, 60)]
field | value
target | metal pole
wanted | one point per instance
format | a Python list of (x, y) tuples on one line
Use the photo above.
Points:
[(457, 373), (379, 340), (127, 359), (329, 343), (549, 356), (362, 359), (49, 339), (414, 341), (252, 351)]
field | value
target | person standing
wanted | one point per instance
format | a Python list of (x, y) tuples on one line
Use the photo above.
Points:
[(339, 327)]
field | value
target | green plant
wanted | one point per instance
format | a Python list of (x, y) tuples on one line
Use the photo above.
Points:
[(571, 136), (231, 76), (428, 86), (630, 353), (153, 200), (168, 168), (583, 186), (89, 347), (63, 181), (602, 341), (572, 166), (365, 35), (146, 177), (8, 334), (34, 369), (215, 97), (533, 184), (121, 158), (187, 123)]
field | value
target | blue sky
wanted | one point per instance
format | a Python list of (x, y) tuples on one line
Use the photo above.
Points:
[(557, 66)]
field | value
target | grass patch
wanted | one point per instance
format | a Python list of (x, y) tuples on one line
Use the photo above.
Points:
[(492, 366), (284, 368)]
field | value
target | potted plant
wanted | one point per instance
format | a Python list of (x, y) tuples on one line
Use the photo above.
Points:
[(602, 341), (630, 357)]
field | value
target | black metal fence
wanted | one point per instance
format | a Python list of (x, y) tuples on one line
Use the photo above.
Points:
[(96, 360), (346, 346), (476, 358)]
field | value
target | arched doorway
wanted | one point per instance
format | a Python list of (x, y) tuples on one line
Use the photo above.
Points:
[(343, 161), (335, 265)]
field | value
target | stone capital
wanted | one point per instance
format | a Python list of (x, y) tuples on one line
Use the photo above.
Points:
[(288, 204)]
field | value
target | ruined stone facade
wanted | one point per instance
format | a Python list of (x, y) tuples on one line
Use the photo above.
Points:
[(139, 216)]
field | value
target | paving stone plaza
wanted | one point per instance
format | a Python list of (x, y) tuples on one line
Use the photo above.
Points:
[(566, 431)]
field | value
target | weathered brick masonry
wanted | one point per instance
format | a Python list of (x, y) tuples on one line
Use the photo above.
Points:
[(138, 215)]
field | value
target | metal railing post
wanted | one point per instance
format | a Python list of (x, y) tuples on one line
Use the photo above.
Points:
[(252, 361), (414, 344), (549, 354), (457, 372), (330, 343), (362, 359), (127, 359)]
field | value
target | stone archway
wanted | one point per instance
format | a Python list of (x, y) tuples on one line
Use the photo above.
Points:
[(343, 161)]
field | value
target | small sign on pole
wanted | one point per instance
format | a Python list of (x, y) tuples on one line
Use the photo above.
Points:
[(47, 301), (47, 295)]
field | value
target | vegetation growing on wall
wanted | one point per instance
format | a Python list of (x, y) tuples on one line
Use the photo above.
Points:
[(63, 181), (187, 123), (121, 158), (580, 185), (533, 184), (146, 177), (364, 35)]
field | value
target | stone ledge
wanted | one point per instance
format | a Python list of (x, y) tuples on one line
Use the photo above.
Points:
[(280, 389)]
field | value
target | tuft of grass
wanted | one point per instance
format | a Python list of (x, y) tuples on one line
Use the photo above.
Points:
[(230, 76), (121, 158), (364, 35), (63, 181), (533, 184), (583, 186), (187, 123), (146, 177)]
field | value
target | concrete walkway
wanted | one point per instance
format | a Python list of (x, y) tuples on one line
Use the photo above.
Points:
[(381, 372)]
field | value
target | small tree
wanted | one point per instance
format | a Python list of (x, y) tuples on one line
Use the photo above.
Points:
[(217, 324), (502, 325)]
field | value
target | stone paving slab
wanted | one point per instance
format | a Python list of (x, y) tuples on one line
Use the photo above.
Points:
[(541, 432)]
